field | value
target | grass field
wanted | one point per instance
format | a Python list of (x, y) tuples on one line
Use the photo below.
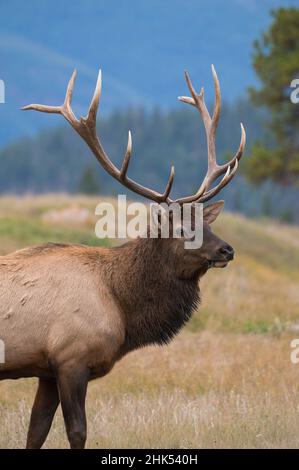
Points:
[(225, 381)]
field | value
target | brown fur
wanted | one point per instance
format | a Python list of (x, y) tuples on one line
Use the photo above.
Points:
[(69, 312)]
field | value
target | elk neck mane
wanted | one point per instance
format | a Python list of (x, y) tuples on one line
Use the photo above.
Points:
[(155, 302)]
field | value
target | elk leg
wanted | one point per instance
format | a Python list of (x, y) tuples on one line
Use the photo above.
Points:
[(45, 404), (72, 386)]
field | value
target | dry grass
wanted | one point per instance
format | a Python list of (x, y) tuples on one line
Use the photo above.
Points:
[(204, 390), (227, 379)]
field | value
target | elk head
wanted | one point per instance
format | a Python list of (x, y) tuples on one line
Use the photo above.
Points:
[(214, 252)]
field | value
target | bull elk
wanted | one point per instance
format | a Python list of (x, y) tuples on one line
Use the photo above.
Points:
[(69, 312)]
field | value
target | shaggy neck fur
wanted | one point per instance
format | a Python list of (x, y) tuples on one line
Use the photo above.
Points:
[(143, 276)]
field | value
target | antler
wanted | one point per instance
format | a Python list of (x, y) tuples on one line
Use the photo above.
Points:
[(204, 193), (86, 128)]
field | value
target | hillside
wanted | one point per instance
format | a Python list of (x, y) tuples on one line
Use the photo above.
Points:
[(226, 380), (142, 52)]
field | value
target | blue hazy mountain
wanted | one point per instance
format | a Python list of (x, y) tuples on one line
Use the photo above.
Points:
[(142, 47)]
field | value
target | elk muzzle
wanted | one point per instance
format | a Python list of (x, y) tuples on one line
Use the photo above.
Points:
[(224, 254)]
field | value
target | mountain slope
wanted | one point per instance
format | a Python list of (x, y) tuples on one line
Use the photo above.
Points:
[(143, 48)]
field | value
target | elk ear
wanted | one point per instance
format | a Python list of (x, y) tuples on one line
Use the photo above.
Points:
[(211, 212)]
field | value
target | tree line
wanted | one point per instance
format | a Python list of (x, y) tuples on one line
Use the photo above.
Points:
[(57, 160)]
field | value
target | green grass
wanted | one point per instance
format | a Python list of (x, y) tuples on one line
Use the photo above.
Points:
[(28, 231), (262, 326)]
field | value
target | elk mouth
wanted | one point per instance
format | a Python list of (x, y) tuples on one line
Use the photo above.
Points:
[(218, 263)]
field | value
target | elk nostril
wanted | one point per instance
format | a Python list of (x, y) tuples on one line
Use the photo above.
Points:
[(227, 250)]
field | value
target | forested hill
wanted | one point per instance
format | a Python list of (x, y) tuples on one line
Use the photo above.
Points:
[(57, 160)]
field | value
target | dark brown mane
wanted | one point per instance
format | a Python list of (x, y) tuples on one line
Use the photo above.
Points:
[(156, 303)]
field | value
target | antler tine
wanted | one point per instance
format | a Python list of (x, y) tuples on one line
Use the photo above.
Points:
[(211, 129), (86, 128), (69, 90), (126, 160), (91, 118), (217, 105), (42, 108), (169, 184), (239, 152), (224, 181), (64, 109), (221, 169), (198, 101), (191, 88)]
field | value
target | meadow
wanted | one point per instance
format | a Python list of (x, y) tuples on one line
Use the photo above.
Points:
[(227, 379)]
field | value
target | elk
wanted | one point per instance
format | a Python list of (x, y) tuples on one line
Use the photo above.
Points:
[(70, 312)]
